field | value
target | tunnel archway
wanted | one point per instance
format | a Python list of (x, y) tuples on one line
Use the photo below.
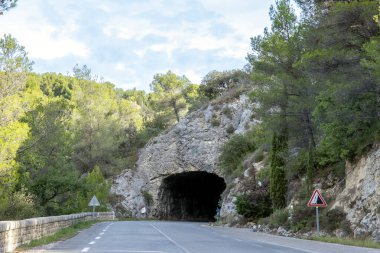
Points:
[(192, 196)]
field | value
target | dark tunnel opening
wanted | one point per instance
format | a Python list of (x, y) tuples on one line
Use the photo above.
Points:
[(191, 196)]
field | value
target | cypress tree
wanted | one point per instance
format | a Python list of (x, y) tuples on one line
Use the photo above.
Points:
[(277, 172)]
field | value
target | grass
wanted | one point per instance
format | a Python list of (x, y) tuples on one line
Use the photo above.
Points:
[(348, 241), (63, 234)]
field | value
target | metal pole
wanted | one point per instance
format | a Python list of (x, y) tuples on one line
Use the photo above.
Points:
[(93, 211), (316, 210)]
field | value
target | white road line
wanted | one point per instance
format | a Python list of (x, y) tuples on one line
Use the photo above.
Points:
[(256, 245), (85, 249), (102, 233), (170, 239), (238, 240), (93, 242), (97, 238)]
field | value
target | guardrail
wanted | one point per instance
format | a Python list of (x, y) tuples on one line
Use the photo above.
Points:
[(16, 233)]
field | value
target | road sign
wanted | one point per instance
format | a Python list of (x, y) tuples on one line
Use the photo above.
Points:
[(317, 200), (94, 202)]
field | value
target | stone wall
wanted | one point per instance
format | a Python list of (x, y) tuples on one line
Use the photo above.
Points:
[(16, 233)]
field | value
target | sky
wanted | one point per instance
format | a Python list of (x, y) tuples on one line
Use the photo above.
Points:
[(127, 42)]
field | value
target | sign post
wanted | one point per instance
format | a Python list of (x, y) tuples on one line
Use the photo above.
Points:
[(316, 201), (94, 202)]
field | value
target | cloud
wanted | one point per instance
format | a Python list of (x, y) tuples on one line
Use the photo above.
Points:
[(127, 42)]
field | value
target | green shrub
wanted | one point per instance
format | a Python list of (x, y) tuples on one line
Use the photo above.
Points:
[(18, 206), (227, 112), (279, 218), (215, 121), (230, 129), (256, 205), (303, 217), (334, 219), (148, 198), (234, 151)]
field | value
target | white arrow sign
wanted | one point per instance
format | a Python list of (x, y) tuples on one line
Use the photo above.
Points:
[(94, 202)]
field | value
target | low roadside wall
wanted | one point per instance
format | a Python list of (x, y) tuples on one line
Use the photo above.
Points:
[(16, 233)]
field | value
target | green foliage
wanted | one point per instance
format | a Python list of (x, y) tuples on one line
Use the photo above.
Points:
[(169, 94), (18, 205), (234, 152), (256, 205), (148, 198), (94, 184), (334, 219), (11, 138), (5, 5), (277, 172), (61, 235), (279, 218), (215, 83)]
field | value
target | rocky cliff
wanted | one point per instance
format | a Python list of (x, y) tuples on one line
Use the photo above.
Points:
[(360, 198), (189, 148)]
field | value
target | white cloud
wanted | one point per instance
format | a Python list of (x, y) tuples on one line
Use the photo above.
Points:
[(120, 66), (128, 42), (42, 39)]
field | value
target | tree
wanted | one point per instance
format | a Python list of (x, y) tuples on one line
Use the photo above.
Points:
[(277, 171), (45, 157), (168, 93), (215, 83), (5, 5), (272, 60), (347, 102), (82, 73), (14, 65)]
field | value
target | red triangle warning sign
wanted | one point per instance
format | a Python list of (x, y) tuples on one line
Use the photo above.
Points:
[(317, 199)]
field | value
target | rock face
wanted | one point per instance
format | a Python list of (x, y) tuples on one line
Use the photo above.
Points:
[(360, 198), (193, 145)]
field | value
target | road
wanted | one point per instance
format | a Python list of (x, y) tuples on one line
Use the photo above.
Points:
[(187, 237)]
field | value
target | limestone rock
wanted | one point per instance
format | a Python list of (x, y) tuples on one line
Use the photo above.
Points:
[(194, 144), (360, 198)]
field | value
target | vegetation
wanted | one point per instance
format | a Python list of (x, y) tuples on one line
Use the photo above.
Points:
[(347, 241), (316, 87), (63, 234), (63, 138), (234, 152), (315, 82)]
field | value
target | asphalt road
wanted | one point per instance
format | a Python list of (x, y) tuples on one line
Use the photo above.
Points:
[(187, 237)]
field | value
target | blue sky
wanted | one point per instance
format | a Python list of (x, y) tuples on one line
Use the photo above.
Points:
[(128, 41)]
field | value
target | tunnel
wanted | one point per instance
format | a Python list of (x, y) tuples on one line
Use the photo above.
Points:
[(190, 196)]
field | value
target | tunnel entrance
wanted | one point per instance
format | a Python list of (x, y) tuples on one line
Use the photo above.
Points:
[(191, 196)]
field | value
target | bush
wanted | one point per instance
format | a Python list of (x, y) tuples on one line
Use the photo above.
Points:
[(230, 129), (279, 218), (234, 151), (18, 206), (255, 205), (334, 219)]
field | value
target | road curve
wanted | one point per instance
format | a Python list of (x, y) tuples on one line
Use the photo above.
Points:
[(187, 237)]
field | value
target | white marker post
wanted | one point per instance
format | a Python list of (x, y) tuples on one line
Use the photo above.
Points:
[(316, 201), (94, 202)]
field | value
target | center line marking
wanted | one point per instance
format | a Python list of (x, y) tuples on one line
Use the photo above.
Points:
[(102, 233), (170, 239), (85, 249), (97, 238), (93, 242)]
